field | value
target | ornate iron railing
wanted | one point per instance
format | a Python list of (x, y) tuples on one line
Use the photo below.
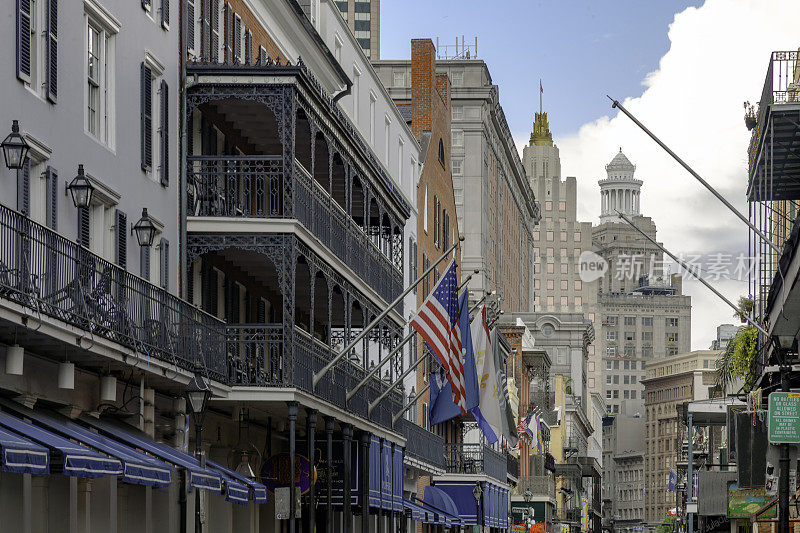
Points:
[(251, 187), (266, 355), (538, 485), (471, 458), (421, 443), (512, 465), (56, 277)]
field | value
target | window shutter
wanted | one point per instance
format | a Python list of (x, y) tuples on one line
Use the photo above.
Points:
[(84, 226), (248, 47), (226, 32), (237, 40), (164, 133), (227, 290), (165, 14), (214, 31), (261, 317), (234, 312), (205, 29), (190, 284), (146, 134), (24, 40), (248, 307), (51, 66), (24, 189), (164, 267), (144, 262), (51, 183), (121, 230), (262, 54), (190, 25)]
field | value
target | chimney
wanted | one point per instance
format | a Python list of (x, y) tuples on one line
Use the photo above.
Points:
[(423, 74)]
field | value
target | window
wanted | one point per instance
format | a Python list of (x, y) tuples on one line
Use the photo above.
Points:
[(576, 236), (672, 337), (647, 321), (647, 335), (457, 77), (564, 285), (564, 268), (608, 363), (611, 335), (153, 89), (672, 322), (550, 268), (578, 303), (562, 206), (608, 397), (458, 138), (550, 284), (457, 167), (356, 92), (549, 236), (608, 376), (98, 95), (578, 284), (630, 320), (563, 253), (564, 238), (457, 112), (441, 152), (647, 352), (372, 125), (548, 205), (387, 124), (564, 302), (398, 79), (412, 262), (633, 367), (550, 301)]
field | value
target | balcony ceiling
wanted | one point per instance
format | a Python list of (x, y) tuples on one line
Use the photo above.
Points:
[(781, 179)]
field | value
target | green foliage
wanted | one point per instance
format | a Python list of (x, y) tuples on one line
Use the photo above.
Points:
[(737, 360), (667, 526)]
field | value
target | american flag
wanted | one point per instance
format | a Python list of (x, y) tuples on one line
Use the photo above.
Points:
[(437, 322)]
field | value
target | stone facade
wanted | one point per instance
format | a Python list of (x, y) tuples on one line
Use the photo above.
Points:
[(623, 471), (364, 19)]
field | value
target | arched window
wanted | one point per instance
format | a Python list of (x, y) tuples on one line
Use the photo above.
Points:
[(441, 151)]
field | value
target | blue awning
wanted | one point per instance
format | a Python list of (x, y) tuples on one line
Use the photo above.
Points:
[(442, 505), (199, 477), (259, 491), (463, 499), (75, 459), (137, 467), (418, 512), (22, 456)]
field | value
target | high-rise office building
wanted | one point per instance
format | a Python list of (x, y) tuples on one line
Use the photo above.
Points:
[(364, 19)]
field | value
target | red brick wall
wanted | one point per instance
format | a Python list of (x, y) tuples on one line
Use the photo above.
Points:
[(423, 72)]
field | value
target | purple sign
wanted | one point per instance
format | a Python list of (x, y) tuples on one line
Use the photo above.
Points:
[(276, 472)]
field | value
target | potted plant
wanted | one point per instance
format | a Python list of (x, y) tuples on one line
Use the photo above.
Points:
[(749, 116)]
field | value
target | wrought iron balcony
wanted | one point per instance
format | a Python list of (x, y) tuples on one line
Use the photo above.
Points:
[(470, 458), (56, 277), (538, 485), (422, 444), (267, 355), (512, 465), (252, 187)]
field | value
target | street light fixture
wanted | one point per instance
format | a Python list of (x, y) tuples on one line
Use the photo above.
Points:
[(477, 492), (15, 148), (197, 395), (145, 229), (81, 189)]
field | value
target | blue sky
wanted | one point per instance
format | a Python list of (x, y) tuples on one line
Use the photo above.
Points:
[(582, 49)]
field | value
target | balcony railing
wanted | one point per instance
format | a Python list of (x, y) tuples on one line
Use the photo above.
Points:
[(252, 187), (780, 86), (538, 485), (422, 444), (265, 355), (469, 458), (56, 277), (512, 465)]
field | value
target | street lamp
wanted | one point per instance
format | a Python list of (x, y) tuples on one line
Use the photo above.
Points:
[(477, 492), (15, 148), (81, 189), (197, 395), (145, 229)]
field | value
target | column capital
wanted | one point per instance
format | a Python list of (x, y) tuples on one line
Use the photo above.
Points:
[(292, 407), (329, 421)]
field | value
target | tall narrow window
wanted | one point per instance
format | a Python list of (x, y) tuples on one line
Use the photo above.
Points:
[(94, 71), (146, 126)]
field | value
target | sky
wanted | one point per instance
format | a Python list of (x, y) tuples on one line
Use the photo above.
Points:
[(684, 68)]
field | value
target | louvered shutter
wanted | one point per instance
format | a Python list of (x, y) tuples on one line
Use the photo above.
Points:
[(248, 307), (213, 297), (164, 266), (205, 30), (226, 290), (164, 170), (214, 31), (190, 25), (235, 315), (248, 47), (146, 134), (121, 234), (24, 189), (144, 262), (261, 314), (51, 65), (190, 284), (227, 42), (84, 226), (165, 14), (51, 200), (24, 40), (262, 54), (237, 39)]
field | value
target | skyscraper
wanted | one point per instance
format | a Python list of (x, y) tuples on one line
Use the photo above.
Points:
[(364, 19)]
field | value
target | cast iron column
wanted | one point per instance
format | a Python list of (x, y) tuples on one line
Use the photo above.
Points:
[(347, 512), (292, 454), (365, 438), (311, 426), (329, 488)]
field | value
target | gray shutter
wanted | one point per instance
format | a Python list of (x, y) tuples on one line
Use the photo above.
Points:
[(165, 14), (146, 102), (121, 234), (51, 201), (248, 47), (227, 42), (190, 25), (84, 226), (24, 40), (24, 189), (164, 266), (261, 313), (205, 30), (213, 296), (214, 30), (262, 54), (190, 284), (51, 61), (164, 133), (144, 262), (237, 39)]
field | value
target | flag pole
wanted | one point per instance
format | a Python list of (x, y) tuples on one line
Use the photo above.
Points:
[(374, 370), (701, 280), (407, 371), (696, 175), (396, 417), (327, 368)]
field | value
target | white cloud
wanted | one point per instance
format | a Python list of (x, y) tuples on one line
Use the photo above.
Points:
[(717, 59)]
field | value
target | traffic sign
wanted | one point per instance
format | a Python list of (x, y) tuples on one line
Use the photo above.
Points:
[(784, 418)]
